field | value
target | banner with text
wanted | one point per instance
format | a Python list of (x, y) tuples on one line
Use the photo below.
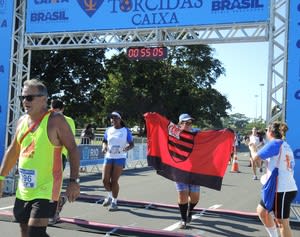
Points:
[(293, 87), (6, 16), (91, 15)]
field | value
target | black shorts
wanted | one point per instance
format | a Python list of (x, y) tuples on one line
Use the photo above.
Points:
[(282, 204), (37, 208)]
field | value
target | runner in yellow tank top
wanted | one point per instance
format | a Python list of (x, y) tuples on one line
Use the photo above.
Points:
[(40, 166), (37, 146)]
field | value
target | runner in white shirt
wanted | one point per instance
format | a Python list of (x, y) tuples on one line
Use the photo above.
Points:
[(116, 142), (286, 191)]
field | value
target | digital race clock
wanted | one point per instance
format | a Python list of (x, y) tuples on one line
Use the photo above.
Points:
[(144, 53)]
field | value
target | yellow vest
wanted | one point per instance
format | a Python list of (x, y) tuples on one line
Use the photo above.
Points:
[(40, 165)]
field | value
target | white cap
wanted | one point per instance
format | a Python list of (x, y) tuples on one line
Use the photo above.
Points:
[(185, 117), (116, 114)]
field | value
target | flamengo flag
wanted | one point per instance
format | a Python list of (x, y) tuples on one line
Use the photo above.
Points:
[(194, 158)]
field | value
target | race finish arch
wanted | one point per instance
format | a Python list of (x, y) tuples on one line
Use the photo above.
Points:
[(70, 24)]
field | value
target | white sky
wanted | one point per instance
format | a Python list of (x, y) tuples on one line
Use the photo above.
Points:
[(246, 67)]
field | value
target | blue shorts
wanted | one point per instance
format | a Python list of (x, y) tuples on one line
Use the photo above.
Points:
[(118, 161), (187, 187)]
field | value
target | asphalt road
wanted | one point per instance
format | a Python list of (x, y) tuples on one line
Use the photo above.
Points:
[(147, 207)]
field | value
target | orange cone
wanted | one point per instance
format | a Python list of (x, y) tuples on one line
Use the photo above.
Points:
[(235, 164)]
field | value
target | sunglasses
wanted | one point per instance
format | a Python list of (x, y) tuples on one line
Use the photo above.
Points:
[(29, 97), (187, 123), (114, 117)]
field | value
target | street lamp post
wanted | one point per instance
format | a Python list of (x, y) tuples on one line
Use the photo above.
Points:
[(255, 106), (261, 99)]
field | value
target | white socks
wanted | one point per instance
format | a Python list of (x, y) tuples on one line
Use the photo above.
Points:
[(272, 231), (114, 200)]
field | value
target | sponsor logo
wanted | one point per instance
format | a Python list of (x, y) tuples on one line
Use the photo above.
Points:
[(90, 6), (150, 12), (297, 95), (3, 24), (48, 16), (227, 5), (38, 2), (52, 14), (125, 5)]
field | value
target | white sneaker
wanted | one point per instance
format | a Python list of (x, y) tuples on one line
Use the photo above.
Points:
[(113, 207), (106, 202)]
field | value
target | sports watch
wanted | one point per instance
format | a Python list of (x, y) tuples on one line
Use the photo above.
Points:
[(72, 180)]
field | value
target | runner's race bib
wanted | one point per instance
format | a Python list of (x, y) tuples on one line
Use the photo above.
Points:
[(115, 150), (27, 178)]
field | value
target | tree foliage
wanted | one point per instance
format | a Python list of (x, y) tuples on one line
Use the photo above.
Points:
[(181, 83), (75, 76), (92, 85)]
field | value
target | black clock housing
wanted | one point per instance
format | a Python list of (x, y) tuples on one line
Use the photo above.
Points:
[(145, 53)]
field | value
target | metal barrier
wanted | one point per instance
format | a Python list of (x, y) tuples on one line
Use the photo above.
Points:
[(91, 160), (295, 212), (91, 156)]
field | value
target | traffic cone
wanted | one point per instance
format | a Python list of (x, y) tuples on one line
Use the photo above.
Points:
[(235, 164)]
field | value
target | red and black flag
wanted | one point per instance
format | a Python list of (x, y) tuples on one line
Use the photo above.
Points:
[(194, 158)]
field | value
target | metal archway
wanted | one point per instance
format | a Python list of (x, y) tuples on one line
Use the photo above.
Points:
[(275, 32)]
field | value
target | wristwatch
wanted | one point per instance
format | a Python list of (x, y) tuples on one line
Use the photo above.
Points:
[(72, 180)]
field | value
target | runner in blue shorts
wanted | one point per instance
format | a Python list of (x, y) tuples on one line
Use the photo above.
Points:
[(116, 142)]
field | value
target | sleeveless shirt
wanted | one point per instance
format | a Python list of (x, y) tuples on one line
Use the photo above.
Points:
[(39, 165)]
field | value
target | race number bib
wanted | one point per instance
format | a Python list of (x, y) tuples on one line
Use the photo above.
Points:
[(27, 178), (115, 150)]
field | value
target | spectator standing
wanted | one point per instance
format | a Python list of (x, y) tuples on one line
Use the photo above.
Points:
[(277, 149), (117, 142), (87, 135), (37, 145), (188, 194)]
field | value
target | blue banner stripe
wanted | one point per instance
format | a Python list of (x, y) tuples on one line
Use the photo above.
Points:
[(87, 15)]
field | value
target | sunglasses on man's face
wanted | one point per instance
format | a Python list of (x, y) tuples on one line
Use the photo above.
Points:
[(29, 97)]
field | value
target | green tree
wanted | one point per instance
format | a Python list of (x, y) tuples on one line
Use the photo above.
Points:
[(76, 77), (181, 83), (237, 122), (92, 85)]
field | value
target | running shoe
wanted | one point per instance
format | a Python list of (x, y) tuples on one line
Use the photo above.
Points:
[(182, 225), (113, 207), (255, 177), (106, 202)]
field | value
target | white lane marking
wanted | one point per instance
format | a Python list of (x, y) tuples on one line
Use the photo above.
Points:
[(8, 207), (194, 217)]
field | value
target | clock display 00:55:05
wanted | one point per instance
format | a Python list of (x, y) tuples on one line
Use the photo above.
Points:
[(147, 53)]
